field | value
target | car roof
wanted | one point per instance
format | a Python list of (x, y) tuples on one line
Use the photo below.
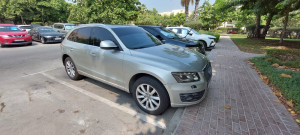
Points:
[(179, 27), (45, 27), (65, 23), (5, 24), (106, 25), (149, 26)]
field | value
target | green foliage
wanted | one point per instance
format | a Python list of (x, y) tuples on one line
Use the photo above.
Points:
[(105, 11), (290, 58), (151, 17), (288, 86), (210, 33), (40, 23), (197, 25)]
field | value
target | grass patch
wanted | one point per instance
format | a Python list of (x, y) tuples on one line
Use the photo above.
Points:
[(261, 45), (210, 33), (288, 86), (290, 58)]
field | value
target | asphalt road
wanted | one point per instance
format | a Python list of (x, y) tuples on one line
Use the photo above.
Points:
[(37, 97)]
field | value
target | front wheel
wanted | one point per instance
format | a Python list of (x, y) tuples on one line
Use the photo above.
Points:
[(71, 69), (204, 43), (150, 95), (42, 40)]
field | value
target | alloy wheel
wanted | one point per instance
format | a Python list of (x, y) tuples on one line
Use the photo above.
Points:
[(70, 69), (148, 97)]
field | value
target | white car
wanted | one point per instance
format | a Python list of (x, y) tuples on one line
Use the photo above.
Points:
[(25, 27), (189, 33)]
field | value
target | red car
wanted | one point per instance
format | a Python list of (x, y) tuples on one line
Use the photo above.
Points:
[(10, 35)]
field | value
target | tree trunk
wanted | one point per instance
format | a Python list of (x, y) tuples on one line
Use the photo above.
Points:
[(257, 27), (268, 23), (196, 9), (286, 18), (187, 12)]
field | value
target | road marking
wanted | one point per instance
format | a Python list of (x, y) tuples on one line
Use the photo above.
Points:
[(132, 112), (40, 72)]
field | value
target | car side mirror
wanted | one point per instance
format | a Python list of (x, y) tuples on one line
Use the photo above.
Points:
[(190, 33), (159, 37), (108, 44)]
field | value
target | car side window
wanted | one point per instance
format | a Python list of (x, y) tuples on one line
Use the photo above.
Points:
[(84, 35), (185, 31), (73, 36), (100, 34)]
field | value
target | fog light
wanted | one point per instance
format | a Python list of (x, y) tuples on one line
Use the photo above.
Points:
[(191, 97)]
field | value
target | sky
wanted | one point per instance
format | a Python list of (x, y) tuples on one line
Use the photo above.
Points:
[(168, 5)]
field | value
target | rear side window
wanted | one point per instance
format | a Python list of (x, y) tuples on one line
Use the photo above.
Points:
[(73, 36), (84, 35), (58, 26), (100, 34), (152, 31)]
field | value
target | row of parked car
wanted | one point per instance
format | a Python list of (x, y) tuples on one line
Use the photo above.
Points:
[(159, 68), (24, 34)]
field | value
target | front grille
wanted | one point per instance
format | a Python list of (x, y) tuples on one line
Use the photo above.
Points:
[(191, 97), (18, 36), (208, 72)]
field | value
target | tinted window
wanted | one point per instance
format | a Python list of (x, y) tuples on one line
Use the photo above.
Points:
[(25, 27), (83, 35), (135, 38), (73, 36), (100, 34), (151, 31), (167, 33), (45, 29)]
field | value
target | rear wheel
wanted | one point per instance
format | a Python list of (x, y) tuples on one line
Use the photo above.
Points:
[(150, 95), (71, 69)]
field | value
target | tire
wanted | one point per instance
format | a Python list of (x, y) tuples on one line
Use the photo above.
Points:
[(1, 46), (204, 43), (71, 69), (42, 40), (154, 98)]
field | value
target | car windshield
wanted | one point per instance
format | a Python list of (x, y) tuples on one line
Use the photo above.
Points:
[(194, 32), (167, 33), (46, 30), (136, 38), (9, 28), (25, 27), (69, 27)]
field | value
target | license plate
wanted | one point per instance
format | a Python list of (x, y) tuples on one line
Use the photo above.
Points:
[(19, 40), (57, 38)]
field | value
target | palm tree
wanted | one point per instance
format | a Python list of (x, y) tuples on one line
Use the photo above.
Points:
[(185, 4), (196, 9)]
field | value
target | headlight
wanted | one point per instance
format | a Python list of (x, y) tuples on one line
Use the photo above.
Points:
[(184, 77), (5, 36)]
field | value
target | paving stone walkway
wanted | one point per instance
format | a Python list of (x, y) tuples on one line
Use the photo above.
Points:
[(235, 84)]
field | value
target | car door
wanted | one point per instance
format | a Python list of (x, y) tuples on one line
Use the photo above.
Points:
[(107, 63), (34, 33), (79, 50)]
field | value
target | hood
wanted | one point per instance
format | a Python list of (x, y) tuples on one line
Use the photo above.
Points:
[(51, 34), (13, 33), (182, 42), (208, 36), (171, 57)]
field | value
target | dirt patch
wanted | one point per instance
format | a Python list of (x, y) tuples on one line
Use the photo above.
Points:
[(49, 92), (82, 131), (60, 111), (2, 105), (77, 111)]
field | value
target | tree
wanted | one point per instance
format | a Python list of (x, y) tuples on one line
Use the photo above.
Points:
[(286, 7), (185, 4), (196, 9)]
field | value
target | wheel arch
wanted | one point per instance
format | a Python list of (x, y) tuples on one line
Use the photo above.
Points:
[(64, 56)]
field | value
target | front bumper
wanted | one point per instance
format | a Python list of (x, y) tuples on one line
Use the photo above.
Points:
[(16, 43), (53, 39)]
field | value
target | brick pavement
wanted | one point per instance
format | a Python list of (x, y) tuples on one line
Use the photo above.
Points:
[(235, 84)]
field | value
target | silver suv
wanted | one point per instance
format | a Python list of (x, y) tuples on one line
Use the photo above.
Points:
[(63, 27), (129, 58)]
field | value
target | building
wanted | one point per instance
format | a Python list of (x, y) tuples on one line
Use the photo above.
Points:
[(174, 12)]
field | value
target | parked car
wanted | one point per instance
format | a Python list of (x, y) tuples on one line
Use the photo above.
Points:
[(46, 35), (11, 35), (63, 27), (167, 36), (189, 33), (127, 57), (34, 25), (25, 27)]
